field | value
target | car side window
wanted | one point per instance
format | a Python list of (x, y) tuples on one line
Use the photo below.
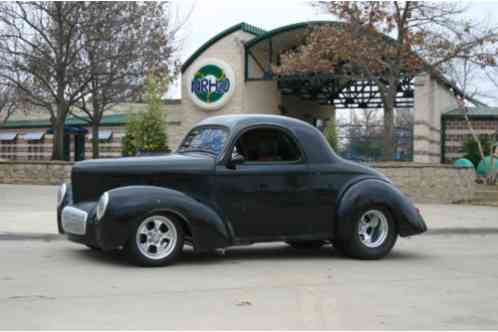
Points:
[(267, 145)]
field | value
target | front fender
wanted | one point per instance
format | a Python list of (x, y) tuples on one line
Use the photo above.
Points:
[(129, 204), (370, 192)]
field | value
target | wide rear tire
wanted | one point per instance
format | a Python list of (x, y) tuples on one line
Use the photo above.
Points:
[(370, 235), (155, 240)]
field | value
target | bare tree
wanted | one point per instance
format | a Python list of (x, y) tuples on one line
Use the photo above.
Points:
[(39, 55), (131, 40), (385, 42), (462, 73), (8, 100)]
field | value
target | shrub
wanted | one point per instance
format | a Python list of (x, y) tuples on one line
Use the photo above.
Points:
[(471, 148), (146, 131)]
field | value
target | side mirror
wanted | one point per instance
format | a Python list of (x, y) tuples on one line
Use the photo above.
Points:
[(236, 159)]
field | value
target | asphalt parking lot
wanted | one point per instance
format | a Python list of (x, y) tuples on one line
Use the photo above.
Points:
[(441, 280)]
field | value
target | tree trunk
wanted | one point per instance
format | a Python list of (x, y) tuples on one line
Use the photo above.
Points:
[(95, 140), (388, 129), (491, 176), (474, 135), (58, 141)]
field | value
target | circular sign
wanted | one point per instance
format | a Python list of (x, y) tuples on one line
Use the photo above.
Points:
[(211, 83)]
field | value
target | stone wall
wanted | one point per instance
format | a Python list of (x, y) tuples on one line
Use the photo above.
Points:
[(35, 172), (423, 183), (431, 183)]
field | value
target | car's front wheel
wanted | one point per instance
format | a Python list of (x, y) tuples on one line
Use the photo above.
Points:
[(155, 241), (372, 234)]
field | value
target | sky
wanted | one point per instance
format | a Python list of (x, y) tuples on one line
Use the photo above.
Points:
[(208, 18)]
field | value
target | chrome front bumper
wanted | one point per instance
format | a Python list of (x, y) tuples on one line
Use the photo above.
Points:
[(74, 220)]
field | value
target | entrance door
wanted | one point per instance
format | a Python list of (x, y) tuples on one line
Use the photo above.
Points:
[(67, 147), (267, 196), (79, 147)]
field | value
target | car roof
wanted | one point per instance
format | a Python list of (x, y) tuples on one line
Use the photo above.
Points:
[(239, 121), (316, 147)]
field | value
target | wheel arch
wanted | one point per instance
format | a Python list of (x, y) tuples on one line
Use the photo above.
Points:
[(377, 192), (177, 215), (126, 204)]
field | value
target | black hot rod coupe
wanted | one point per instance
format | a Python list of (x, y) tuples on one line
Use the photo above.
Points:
[(235, 179)]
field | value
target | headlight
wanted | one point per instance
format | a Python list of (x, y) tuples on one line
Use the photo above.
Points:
[(61, 194), (102, 205)]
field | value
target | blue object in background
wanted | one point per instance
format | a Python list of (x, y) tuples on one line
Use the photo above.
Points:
[(463, 163), (485, 165)]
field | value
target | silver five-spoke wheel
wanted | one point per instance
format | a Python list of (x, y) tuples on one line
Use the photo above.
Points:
[(156, 237), (373, 228)]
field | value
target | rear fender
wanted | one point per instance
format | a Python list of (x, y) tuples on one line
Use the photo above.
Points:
[(129, 204), (371, 192)]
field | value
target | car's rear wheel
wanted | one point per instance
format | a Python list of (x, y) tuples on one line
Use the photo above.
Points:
[(156, 240), (372, 234), (306, 245)]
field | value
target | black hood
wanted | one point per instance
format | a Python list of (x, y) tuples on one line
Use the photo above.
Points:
[(91, 178), (146, 165)]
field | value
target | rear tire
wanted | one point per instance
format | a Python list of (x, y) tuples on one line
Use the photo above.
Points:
[(306, 245), (155, 240), (370, 235)]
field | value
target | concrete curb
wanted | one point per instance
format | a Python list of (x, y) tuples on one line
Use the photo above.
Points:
[(47, 237), (463, 230)]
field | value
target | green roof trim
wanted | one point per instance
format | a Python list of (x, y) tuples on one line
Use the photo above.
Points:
[(285, 28), (241, 26), (301, 25), (473, 113), (117, 119)]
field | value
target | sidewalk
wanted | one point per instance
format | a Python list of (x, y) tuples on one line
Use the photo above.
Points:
[(31, 209), (457, 218), (28, 209)]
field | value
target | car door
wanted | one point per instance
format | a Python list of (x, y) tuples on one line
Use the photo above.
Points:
[(267, 196)]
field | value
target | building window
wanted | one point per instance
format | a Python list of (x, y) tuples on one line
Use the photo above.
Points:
[(35, 142)]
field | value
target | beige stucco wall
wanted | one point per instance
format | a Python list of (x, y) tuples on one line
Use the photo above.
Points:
[(431, 101), (229, 49), (174, 120), (248, 97)]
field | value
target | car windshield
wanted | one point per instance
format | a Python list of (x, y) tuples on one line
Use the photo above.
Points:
[(205, 139)]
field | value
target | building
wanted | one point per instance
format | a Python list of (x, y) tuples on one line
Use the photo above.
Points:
[(232, 74), (455, 129), (30, 137)]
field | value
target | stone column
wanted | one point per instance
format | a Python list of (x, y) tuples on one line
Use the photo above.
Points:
[(432, 99), (422, 118)]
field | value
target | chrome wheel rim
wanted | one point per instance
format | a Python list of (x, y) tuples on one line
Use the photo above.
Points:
[(373, 228), (156, 237)]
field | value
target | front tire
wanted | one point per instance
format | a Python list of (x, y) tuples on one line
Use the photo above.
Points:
[(371, 234), (156, 240)]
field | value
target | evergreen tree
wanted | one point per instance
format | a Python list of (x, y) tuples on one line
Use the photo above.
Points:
[(147, 131)]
